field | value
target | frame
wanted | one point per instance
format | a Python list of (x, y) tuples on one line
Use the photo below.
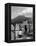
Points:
[(8, 21)]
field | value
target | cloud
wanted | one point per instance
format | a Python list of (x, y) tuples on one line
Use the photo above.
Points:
[(25, 11)]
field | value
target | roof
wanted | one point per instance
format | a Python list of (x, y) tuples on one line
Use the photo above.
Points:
[(20, 19)]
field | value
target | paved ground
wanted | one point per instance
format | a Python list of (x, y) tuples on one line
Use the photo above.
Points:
[(26, 36)]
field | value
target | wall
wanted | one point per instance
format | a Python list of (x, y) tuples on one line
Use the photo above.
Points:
[(2, 24)]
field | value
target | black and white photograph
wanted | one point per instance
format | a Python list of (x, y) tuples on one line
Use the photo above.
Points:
[(21, 23)]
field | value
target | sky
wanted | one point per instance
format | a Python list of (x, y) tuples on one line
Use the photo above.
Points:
[(17, 10)]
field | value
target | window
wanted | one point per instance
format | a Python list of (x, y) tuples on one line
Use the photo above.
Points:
[(12, 27)]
